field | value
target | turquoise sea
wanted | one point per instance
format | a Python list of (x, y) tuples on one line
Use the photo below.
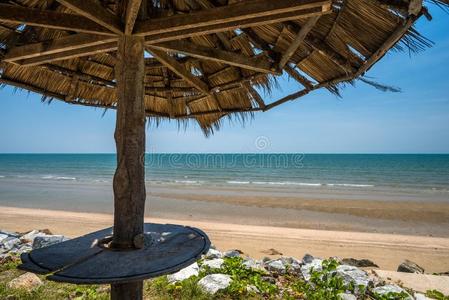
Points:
[(403, 172)]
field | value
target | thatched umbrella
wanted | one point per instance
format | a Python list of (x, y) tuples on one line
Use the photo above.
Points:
[(189, 60)]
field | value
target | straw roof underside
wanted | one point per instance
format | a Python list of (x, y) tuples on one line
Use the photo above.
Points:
[(338, 46)]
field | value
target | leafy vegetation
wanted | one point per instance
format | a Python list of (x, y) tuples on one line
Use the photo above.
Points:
[(323, 284), (242, 278), (10, 264), (437, 295)]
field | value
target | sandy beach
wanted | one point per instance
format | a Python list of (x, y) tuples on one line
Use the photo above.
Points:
[(386, 250)]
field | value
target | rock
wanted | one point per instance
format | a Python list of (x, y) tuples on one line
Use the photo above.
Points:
[(215, 282), (46, 231), (390, 288), (315, 264), (359, 263), (5, 258), (232, 253), (353, 274), (276, 266), (21, 249), (250, 263), (292, 263), (183, 274), (139, 241), (9, 243), (419, 296), (212, 253), (47, 240), (269, 279), (30, 236), (410, 267), (307, 259), (27, 281), (344, 296), (3, 236), (443, 273), (252, 289), (272, 251), (265, 259), (214, 263)]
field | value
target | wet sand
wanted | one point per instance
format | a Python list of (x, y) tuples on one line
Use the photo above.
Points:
[(386, 250), (390, 212)]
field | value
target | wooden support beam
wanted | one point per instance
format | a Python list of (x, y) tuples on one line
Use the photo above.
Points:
[(394, 38), (258, 64), (132, 11), (323, 48), (298, 77), (81, 76), (290, 97), (176, 35), (38, 60), (94, 11), (179, 70), (67, 43), (297, 41), (49, 19), (72, 89), (240, 12), (129, 177)]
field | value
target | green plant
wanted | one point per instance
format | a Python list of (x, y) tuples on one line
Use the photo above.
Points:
[(242, 277), (392, 296), (10, 265), (437, 295), (323, 284)]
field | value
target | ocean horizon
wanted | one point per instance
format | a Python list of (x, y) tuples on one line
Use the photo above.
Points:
[(411, 172)]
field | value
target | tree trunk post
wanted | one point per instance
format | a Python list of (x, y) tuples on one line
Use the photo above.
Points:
[(129, 178)]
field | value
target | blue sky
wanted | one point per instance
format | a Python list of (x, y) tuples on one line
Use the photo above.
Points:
[(365, 120)]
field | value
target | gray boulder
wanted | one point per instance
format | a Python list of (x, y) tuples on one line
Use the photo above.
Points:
[(307, 259), (212, 253), (3, 236), (9, 243), (215, 282), (359, 263), (419, 296), (22, 248), (250, 263), (30, 236), (344, 296), (353, 274), (314, 264), (410, 267), (292, 263), (232, 253), (183, 274), (216, 263), (48, 240), (276, 266), (252, 289), (390, 288)]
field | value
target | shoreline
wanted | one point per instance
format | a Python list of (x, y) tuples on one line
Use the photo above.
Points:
[(259, 207), (387, 250)]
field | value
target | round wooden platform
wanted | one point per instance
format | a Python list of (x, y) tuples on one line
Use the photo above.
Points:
[(168, 248)]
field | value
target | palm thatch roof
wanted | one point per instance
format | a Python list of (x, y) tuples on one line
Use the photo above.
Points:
[(206, 59)]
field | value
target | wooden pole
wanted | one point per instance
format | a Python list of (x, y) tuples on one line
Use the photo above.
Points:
[(129, 178)]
